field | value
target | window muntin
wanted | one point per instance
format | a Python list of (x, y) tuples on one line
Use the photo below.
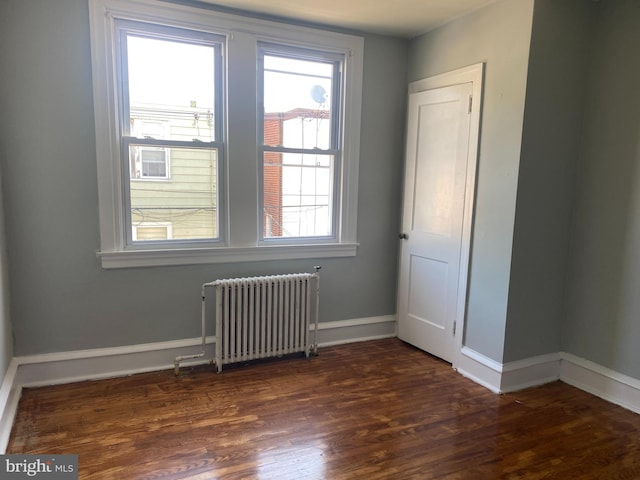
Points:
[(169, 89), (300, 142)]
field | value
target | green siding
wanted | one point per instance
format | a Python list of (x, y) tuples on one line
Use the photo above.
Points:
[(187, 200)]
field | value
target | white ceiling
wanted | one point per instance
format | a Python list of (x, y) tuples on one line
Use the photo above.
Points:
[(404, 18)]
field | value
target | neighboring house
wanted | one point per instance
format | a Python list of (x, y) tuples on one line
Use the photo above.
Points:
[(173, 191)]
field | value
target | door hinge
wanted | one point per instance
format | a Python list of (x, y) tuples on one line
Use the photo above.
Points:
[(470, 103), (454, 328)]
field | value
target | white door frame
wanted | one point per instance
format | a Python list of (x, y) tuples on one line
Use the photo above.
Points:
[(472, 74)]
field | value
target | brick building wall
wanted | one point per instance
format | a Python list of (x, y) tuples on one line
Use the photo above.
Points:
[(272, 214)]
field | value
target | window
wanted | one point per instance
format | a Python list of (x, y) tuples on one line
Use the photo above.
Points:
[(169, 90), (153, 162), (222, 138), (152, 231), (300, 142)]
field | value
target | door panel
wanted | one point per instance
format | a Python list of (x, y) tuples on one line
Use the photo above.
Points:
[(428, 275), (434, 178)]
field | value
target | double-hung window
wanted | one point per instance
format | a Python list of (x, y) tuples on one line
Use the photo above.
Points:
[(170, 94), (221, 138), (300, 99)]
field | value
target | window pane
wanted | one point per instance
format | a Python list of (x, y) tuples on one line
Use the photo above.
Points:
[(297, 195), (171, 89), (188, 201), (297, 102)]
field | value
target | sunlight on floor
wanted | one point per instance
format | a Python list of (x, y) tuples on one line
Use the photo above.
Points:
[(299, 461)]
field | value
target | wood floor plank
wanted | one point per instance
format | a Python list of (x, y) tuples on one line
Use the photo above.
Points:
[(373, 410)]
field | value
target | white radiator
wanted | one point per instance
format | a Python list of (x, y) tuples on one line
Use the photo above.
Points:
[(261, 317)]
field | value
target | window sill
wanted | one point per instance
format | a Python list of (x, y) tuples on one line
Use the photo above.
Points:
[(198, 256)]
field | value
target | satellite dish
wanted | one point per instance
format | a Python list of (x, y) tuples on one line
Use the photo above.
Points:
[(319, 94)]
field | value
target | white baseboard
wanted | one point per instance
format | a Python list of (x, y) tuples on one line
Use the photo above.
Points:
[(509, 377), (530, 372), (9, 397), (479, 368), (74, 366), (94, 364), (356, 330), (601, 381), (583, 374)]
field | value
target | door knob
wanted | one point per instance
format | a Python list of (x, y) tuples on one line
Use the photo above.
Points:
[(403, 236)]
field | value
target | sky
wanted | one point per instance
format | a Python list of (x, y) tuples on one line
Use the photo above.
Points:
[(163, 72)]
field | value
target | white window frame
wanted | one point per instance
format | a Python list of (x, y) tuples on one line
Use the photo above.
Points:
[(239, 203)]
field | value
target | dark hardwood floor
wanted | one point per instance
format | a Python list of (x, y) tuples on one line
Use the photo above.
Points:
[(373, 410)]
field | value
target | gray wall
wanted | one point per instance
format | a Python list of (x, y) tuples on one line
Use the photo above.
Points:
[(604, 284), (61, 299), (6, 333), (498, 35), (558, 61)]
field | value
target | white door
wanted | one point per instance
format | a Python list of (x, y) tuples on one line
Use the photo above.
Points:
[(435, 196)]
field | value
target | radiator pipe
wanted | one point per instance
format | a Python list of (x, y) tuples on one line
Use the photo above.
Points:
[(314, 345), (176, 362)]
